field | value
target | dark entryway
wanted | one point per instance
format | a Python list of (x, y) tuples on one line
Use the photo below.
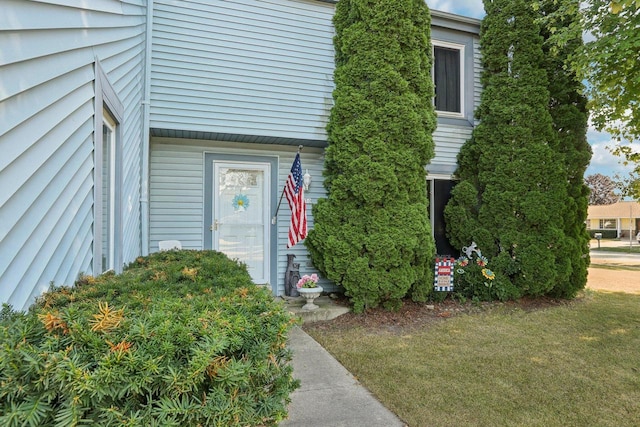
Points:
[(440, 192)]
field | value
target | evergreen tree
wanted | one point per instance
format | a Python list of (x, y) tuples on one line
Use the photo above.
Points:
[(568, 108), (513, 187), (372, 233)]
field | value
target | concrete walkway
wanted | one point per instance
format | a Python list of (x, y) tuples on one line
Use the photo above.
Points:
[(329, 395)]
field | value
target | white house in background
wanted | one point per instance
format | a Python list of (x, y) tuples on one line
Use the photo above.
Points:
[(126, 123), (623, 217)]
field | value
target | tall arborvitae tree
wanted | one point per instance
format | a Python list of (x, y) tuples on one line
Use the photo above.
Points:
[(513, 187), (568, 108), (372, 233)]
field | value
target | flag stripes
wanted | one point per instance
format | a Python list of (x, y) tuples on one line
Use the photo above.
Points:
[(295, 197)]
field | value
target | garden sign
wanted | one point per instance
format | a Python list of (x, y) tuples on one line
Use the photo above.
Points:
[(443, 280)]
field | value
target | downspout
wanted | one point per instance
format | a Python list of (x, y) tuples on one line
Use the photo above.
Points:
[(144, 166)]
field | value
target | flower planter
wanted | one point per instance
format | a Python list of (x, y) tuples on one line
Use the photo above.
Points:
[(310, 294)]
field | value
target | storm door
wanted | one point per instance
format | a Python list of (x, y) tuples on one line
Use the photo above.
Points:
[(240, 215)]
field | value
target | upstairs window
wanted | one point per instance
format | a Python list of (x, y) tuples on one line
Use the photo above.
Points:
[(448, 70)]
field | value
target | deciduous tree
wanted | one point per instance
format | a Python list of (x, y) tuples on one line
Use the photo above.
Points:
[(629, 185), (602, 189), (610, 63)]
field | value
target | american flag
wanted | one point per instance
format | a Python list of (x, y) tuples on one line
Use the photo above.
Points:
[(295, 197)]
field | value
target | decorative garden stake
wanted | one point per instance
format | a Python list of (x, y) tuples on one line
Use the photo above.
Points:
[(474, 279)]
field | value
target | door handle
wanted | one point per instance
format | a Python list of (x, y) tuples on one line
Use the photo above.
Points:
[(215, 225)]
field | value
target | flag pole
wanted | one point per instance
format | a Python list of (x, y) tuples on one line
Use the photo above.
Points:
[(275, 215)]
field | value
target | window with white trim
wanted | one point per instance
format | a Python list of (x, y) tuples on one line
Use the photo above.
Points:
[(448, 78), (608, 223), (108, 175), (107, 191)]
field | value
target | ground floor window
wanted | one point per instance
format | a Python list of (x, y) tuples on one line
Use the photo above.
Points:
[(107, 192), (108, 176), (610, 223)]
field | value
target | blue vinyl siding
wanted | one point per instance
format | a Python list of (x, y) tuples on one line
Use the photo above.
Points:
[(238, 67), (47, 96), (237, 75), (265, 69)]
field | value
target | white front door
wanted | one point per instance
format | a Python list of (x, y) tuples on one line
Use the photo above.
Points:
[(241, 206)]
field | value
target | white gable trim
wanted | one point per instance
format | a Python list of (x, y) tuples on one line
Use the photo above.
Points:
[(106, 97)]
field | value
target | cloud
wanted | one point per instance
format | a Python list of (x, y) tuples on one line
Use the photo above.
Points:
[(471, 8), (602, 161)]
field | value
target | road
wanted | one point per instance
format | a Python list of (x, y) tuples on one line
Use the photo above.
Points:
[(606, 279)]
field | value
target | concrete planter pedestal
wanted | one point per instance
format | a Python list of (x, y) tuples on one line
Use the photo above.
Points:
[(310, 294)]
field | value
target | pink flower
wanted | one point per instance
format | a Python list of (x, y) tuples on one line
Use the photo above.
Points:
[(307, 281)]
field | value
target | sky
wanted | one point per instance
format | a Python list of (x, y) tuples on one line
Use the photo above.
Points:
[(602, 161)]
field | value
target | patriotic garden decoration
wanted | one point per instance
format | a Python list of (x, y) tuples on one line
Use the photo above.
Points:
[(443, 280)]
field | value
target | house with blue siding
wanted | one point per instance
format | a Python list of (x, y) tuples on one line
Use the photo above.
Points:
[(127, 123)]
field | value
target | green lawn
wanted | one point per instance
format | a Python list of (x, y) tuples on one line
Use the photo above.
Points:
[(635, 249), (568, 365)]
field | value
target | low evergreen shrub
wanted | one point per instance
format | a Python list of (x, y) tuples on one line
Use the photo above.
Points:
[(180, 338)]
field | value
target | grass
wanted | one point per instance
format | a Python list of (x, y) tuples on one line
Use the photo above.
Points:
[(620, 249), (571, 365), (634, 267)]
